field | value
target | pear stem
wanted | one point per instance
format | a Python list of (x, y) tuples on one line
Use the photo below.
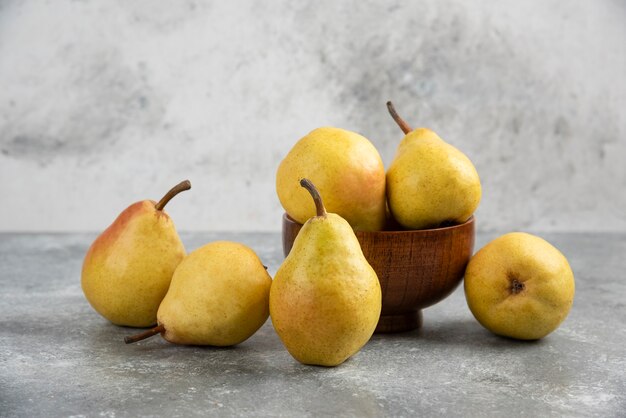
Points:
[(180, 187), (319, 205), (401, 123), (146, 334)]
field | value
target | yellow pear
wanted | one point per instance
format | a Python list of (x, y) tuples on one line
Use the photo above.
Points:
[(347, 170), (219, 296), (519, 286), (325, 300), (128, 268), (430, 182)]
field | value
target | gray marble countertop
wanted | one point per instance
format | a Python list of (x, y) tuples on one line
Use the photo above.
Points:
[(59, 358)]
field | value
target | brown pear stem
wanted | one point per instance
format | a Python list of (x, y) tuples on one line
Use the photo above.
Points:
[(180, 187), (146, 334), (401, 123), (319, 205)]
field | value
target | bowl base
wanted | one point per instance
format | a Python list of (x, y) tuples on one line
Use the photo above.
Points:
[(399, 323)]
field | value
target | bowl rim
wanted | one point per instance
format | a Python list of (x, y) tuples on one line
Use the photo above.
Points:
[(470, 221)]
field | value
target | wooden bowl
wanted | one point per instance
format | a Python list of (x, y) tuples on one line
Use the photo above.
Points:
[(416, 269)]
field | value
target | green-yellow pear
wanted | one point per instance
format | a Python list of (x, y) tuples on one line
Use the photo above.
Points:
[(430, 182), (325, 300), (519, 286), (219, 296), (347, 170), (128, 268)]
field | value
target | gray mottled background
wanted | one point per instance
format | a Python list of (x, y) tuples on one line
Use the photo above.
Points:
[(105, 103)]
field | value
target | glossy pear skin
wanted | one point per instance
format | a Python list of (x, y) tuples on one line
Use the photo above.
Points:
[(346, 169), (431, 182), (325, 300), (544, 295), (128, 268), (219, 296)]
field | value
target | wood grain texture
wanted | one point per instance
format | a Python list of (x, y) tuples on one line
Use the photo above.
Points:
[(416, 269)]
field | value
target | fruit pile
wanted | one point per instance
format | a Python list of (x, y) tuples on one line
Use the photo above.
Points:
[(429, 182), (325, 300)]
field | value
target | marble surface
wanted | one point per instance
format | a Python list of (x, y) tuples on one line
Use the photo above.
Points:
[(106, 103), (59, 358)]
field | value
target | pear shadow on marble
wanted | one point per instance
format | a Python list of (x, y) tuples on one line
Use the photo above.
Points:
[(466, 333)]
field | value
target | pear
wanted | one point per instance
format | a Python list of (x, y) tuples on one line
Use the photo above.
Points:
[(128, 268), (519, 286), (219, 296), (430, 182), (325, 300), (347, 170)]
